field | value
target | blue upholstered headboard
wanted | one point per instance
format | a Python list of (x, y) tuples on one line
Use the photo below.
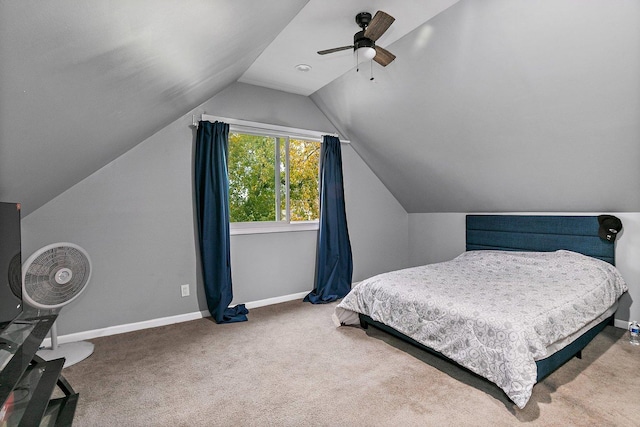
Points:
[(538, 233)]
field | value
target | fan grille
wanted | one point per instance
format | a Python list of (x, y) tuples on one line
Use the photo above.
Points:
[(15, 275), (56, 276)]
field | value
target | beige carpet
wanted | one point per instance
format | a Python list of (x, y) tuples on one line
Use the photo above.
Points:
[(289, 366)]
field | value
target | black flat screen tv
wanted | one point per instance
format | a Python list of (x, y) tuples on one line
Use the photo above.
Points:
[(10, 263)]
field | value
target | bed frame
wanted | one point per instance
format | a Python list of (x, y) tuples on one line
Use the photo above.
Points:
[(531, 233)]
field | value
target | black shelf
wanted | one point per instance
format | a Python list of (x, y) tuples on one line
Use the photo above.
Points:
[(27, 382)]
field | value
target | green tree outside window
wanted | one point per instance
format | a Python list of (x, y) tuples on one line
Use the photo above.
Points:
[(253, 182)]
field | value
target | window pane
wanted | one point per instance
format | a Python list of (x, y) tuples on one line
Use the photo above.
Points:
[(304, 160), (252, 192)]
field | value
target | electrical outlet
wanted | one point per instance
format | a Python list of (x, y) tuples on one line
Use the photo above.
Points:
[(184, 290)]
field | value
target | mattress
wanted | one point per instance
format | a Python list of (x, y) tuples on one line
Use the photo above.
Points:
[(562, 343), (492, 312)]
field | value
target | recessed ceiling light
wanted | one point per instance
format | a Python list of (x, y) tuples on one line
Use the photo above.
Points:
[(303, 67)]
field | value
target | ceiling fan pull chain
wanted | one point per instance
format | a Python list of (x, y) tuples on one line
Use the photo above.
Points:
[(371, 65)]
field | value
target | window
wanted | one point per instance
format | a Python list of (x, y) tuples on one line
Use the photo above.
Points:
[(273, 182)]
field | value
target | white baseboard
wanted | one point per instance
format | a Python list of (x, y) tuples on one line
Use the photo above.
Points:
[(623, 324), (154, 323), (276, 300)]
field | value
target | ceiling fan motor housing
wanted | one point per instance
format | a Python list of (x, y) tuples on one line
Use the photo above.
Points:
[(359, 40)]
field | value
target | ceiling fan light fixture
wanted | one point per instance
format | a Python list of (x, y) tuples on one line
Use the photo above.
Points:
[(366, 52)]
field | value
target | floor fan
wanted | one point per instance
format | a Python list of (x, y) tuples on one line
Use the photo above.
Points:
[(52, 277)]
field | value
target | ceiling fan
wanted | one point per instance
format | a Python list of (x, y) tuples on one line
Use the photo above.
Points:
[(364, 42)]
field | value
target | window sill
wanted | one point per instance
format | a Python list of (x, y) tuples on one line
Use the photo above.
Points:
[(238, 228)]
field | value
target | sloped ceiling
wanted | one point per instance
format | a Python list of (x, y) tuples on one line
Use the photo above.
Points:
[(82, 82), (505, 106), (499, 105)]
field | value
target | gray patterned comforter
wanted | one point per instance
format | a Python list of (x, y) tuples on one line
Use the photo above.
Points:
[(493, 312)]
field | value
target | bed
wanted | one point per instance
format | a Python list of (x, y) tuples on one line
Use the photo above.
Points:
[(478, 310)]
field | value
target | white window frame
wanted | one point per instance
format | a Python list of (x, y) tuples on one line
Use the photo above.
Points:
[(280, 224), (264, 129)]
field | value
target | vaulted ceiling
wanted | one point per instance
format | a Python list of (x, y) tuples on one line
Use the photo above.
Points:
[(500, 105)]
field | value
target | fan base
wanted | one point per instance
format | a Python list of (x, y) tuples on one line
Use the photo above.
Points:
[(73, 352), (363, 19)]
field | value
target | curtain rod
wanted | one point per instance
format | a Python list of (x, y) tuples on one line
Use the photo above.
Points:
[(290, 131)]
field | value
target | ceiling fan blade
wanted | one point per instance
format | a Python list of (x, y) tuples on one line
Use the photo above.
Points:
[(378, 25), (383, 56), (335, 49)]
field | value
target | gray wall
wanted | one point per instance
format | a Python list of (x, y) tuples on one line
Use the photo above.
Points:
[(135, 218), (436, 237)]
